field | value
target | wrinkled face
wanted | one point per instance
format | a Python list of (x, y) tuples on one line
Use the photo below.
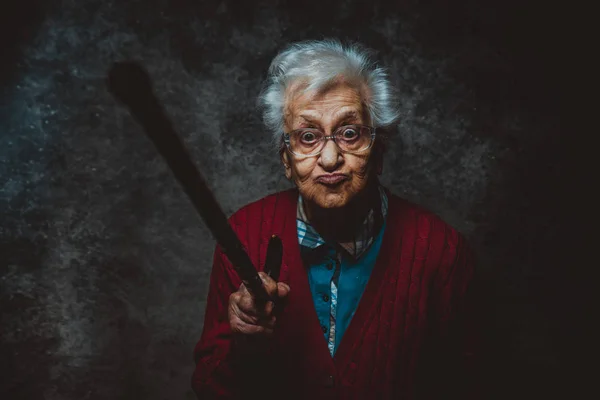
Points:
[(332, 178)]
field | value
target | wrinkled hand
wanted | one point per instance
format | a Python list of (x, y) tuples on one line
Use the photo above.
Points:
[(251, 317)]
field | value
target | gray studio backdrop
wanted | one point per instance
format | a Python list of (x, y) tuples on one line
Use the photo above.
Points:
[(104, 262)]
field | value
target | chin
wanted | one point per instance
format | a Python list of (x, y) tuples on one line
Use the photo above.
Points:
[(330, 199)]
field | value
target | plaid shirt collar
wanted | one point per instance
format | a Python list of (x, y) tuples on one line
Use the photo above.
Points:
[(309, 238)]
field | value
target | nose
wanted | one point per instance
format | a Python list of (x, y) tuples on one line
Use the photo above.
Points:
[(330, 156)]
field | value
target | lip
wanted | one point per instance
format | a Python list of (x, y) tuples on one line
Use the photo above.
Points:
[(331, 179)]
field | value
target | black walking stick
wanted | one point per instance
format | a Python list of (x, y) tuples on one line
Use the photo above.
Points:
[(131, 85)]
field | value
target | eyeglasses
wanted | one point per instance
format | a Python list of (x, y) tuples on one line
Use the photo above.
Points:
[(309, 142)]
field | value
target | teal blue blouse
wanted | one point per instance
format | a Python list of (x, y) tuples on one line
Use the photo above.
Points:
[(335, 304)]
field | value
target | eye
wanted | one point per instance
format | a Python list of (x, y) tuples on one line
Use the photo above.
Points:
[(349, 134), (308, 137)]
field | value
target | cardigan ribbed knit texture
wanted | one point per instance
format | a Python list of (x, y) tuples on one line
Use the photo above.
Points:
[(412, 335)]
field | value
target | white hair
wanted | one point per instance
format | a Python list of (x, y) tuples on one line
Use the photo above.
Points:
[(319, 64)]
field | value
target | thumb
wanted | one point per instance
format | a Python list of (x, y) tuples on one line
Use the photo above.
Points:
[(269, 284), (283, 289)]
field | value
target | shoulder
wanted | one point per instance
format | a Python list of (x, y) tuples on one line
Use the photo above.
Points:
[(268, 207), (430, 237), (424, 222)]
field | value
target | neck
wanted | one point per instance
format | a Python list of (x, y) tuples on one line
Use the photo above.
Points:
[(340, 224)]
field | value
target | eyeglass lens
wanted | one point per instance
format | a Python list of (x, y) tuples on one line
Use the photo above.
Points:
[(350, 139)]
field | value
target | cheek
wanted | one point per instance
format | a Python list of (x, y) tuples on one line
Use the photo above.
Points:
[(360, 167), (303, 169)]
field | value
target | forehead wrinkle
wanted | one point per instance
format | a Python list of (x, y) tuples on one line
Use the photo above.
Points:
[(342, 115), (313, 108), (310, 118), (342, 112)]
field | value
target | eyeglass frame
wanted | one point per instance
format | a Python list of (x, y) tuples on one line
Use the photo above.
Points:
[(286, 140)]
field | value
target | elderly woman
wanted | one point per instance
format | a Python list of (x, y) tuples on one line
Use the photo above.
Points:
[(372, 297)]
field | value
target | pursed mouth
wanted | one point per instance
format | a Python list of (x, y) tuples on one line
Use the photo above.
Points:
[(331, 179)]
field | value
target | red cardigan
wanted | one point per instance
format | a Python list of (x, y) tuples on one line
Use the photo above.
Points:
[(411, 336)]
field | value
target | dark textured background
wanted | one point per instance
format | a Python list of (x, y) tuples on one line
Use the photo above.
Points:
[(104, 263)]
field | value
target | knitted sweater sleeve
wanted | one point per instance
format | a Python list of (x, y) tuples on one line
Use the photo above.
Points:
[(229, 366), (216, 375)]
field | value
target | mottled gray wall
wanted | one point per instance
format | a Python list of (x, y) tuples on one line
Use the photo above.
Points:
[(104, 264)]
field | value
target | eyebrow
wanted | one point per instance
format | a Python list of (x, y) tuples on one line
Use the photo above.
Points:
[(350, 114), (308, 118)]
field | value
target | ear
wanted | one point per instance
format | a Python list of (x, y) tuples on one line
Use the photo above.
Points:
[(285, 160)]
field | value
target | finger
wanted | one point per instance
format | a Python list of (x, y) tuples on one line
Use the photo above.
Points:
[(268, 310), (243, 289), (236, 314), (266, 322), (250, 329), (283, 289), (245, 303), (269, 284), (245, 308)]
